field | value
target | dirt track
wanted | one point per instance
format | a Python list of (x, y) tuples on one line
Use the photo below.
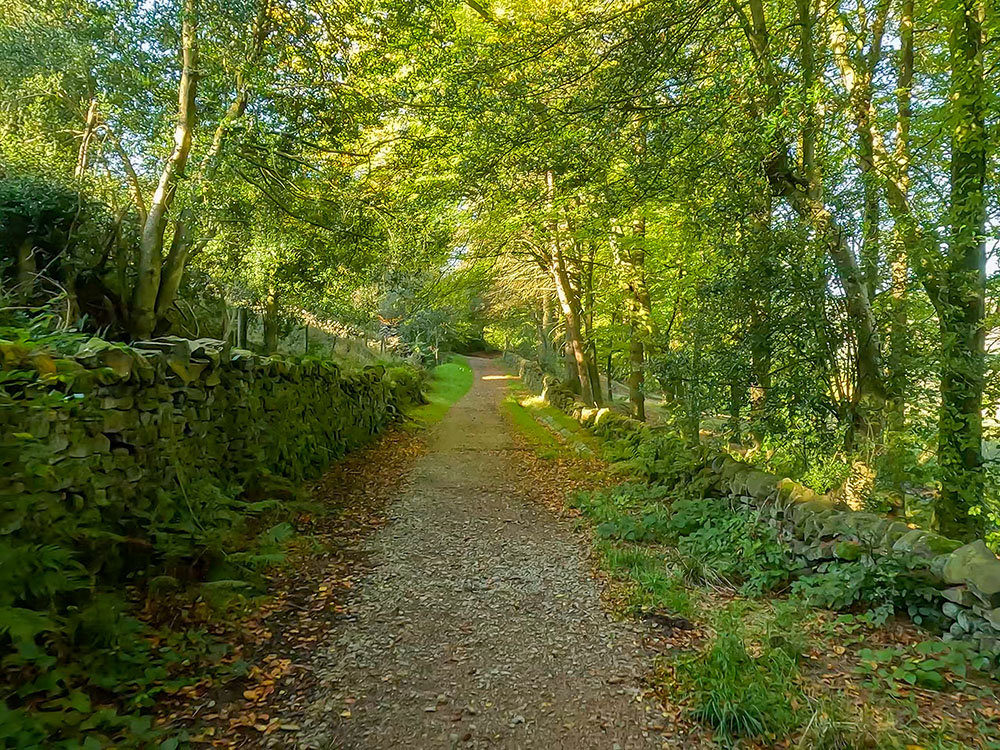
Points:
[(479, 624)]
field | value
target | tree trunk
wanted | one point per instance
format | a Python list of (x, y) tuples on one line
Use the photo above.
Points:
[(173, 269), (870, 400), (147, 285), (547, 347), (737, 394), (25, 270), (156, 286), (242, 326), (804, 195), (595, 375), (611, 389), (585, 293), (962, 306), (572, 369), (89, 128), (271, 322), (542, 323), (567, 295), (692, 419), (574, 337), (870, 236), (760, 363), (636, 376), (642, 330), (899, 264)]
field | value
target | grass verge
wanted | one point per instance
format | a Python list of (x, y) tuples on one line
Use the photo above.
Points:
[(525, 410), (447, 384), (541, 438)]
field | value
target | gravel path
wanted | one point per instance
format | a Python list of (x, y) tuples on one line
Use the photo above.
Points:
[(479, 624)]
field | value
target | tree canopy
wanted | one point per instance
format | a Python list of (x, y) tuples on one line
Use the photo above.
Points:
[(774, 222)]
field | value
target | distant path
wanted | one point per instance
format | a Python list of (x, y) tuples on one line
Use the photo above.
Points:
[(479, 625)]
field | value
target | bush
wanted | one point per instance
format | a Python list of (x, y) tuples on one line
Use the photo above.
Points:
[(718, 541), (659, 456)]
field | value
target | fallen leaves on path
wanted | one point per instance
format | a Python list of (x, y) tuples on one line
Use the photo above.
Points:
[(307, 597)]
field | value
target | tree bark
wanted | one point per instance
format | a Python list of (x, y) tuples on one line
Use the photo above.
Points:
[(962, 306), (804, 195), (760, 361), (585, 293), (147, 284), (91, 122), (271, 321), (242, 326), (570, 311), (630, 256), (636, 376), (547, 347), (611, 352), (173, 268), (181, 248), (899, 263), (25, 270), (569, 302)]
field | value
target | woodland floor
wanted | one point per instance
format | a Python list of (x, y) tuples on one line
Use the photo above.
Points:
[(453, 606)]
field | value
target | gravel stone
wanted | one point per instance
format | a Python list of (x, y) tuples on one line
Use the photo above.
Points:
[(479, 624)]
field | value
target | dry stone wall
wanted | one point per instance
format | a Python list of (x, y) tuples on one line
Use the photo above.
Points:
[(109, 447), (820, 528)]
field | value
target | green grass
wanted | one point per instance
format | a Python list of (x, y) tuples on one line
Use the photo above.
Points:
[(562, 419), (524, 410), (737, 692), (654, 586), (541, 437), (447, 384)]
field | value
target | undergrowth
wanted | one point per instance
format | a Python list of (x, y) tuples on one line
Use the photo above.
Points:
[(739, 694), (96, 626), (544, 442), (675, 553), (87, 656)]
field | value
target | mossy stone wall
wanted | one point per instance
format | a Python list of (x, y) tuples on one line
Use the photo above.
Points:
[(105, 447), (819, 527)]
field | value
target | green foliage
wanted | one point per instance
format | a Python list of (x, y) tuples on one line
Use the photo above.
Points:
[(653, 526), (933, 665), (718, 541), (826, 473), (654, 587), (89, 534), (880, 585), (661, 456), (612, 504)]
